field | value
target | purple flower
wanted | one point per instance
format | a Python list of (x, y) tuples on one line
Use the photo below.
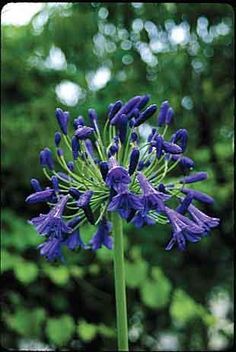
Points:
[(141, 218), (184, 230), (143, 101), (40, 196), (93, 117), (79, 121), (51, 249), (124, 202), (184, 161), (55, 183), (134, 137), (89, 147), (115, 108), (134, 158), (163, 111), (180, 137), (117, 175), (75, 146), (202, 219), (145, 115), (202, 197), (169, 116), (171, 148), (74, 241), (184, 204), (152, 199), (63, 119), (127, 108), (104, 169), (198, 176), (83, 132), (60, 152), (35, 185), (57, 138), (52, 224), (122, 127), (102, 237), (45, 157), (83, 203)]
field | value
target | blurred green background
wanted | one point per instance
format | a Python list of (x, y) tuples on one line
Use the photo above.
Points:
[(77, 56)]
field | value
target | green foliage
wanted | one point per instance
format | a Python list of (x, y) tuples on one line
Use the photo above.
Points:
[(155, 292), (59, 330), (86, 330)]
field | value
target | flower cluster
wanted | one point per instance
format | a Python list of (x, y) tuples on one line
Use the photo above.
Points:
[(113, 169)]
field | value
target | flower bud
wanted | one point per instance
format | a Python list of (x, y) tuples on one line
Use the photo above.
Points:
[(134, 137), (104, 169), (143, 101), (78, 121), (75, 146), (60, 152), (55, 184), (162, 114), (134, 158), (63, 119), (145, 115), (183, 207), (122, 127), (93, 117), (171, 148), (199, 176), (83, 132), (202, 197), (114, 109), (38, 197), (57, 138), (127, 108), (35, 185), (46, 158), (74, 193), (71, 165), (169, 116)]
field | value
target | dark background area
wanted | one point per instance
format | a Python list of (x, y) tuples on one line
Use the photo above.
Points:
[(77, 56)]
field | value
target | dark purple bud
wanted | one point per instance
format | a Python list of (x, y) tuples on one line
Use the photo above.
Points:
[(169, 116), (133, 113), (199, 176), (159, 145), (180, 137), (79, 121), (202, 197), (114, 109), (134, 137), (83, 132), (35, 185), (184, 204), (74, 222), (38, 197), (93, 117), (89, 147), (126, 109), (144, 100), (163, 111), (171, 148), (75, 146), (141, 165), (122, 127), (184, 161), (134, 158), (151, 135), (132, 122), (74, 193), (84, 199), (60, 152), (113, 150), (145, 115), (104, 169), (110, 106), (71, 165), (55, 184), (63, 119), (57, 138), (46, 158), (161, 188)]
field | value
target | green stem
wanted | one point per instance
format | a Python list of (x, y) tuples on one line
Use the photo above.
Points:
[(119, 273)]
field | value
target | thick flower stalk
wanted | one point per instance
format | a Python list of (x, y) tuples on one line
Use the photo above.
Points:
[(114, 175)]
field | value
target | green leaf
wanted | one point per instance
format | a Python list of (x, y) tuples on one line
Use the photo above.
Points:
[(183, 307), (155, 293), (26, 272), (59, 275), (105, 331), (86, 331), (60, 330), (135, 273), (8, 260), (26, 322)]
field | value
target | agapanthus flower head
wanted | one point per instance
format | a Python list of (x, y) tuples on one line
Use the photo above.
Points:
[(116, 169)]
